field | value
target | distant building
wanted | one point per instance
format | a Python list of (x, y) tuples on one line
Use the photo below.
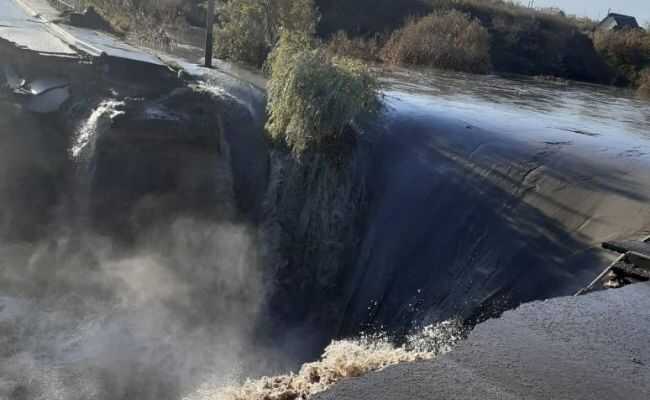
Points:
[(615, 22)]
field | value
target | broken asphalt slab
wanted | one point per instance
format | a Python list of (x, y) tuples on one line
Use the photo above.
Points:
[(573, 348)]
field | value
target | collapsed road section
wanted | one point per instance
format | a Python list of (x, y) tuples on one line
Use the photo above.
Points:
[(40, 56), (34, 25), (109, 101)]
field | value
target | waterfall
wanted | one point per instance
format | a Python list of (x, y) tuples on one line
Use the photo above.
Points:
[(100, 118)]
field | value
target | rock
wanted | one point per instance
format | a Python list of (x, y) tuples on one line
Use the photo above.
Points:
[(613, 284), (612, 280)]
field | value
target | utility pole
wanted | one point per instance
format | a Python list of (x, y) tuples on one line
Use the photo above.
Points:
[(209, 34)]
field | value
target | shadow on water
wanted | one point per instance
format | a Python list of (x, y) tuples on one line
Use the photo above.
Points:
[(465, 223)]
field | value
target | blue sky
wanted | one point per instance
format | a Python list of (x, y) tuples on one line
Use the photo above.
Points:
[(598, 8)]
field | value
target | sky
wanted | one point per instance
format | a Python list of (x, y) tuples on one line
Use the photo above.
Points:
[(597, 9)]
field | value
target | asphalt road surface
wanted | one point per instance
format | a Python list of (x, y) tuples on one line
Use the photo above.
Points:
[(26, 32), (592, 347), (20, 27)]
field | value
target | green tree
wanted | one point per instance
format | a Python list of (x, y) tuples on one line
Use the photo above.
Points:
[(249, 29), (314, 99), (242, 32)]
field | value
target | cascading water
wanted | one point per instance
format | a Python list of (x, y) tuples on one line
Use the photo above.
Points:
[(98, 120), (180, 308)]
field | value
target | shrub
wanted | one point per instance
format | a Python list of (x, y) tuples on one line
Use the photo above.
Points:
[(248, 29), (625, 47), (242, 34), (313, 98), (293, 15), (584, 24), (362, 49), (135, 15), (448, 40), (628, 51)]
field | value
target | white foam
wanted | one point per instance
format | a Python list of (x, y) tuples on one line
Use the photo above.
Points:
[(342, 359), (105, 111)]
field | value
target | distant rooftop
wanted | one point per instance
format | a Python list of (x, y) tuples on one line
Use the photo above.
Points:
[(615, 21)]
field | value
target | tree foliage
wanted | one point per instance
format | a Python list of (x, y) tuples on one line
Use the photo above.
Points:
[(628, 51), (313, 98), (449, 39), (248, 29)]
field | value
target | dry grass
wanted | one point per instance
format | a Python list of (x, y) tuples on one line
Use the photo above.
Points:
[(243, 33), (359, 48), (448, 40), (626, 47), (628, 51), (521, 40), (142, 19), (501, 36), (584, 24), (126, 15), (249, 29)]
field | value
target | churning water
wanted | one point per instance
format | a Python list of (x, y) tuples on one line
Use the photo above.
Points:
[(343, 359)]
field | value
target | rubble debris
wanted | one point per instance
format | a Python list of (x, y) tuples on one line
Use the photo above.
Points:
[(632, 266), (613, 280)]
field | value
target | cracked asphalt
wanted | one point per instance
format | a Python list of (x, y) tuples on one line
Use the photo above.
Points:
[(594, 347)]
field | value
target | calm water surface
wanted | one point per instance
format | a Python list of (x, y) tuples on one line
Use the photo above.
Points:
[(522, 103)]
